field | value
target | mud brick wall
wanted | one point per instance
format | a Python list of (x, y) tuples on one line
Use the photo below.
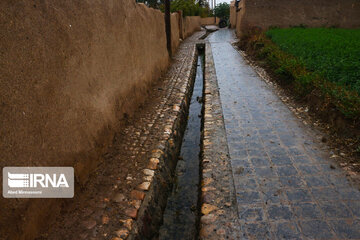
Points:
[(175, 31), (209, 21), (232, 14), (71, 72), (283, 13), (190, 25)]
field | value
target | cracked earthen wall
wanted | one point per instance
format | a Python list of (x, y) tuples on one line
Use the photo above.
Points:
[(70, 71), (282, 13)]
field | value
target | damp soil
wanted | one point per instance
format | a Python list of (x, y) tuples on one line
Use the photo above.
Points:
[(180, 220)]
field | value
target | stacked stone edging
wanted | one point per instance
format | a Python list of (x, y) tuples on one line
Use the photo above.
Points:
[(218, 209), (158, 175)]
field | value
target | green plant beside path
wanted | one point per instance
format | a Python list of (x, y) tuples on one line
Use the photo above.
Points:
[(333, 53), (321, 62)]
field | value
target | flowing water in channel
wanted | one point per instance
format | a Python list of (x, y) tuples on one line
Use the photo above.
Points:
[(181, 213)]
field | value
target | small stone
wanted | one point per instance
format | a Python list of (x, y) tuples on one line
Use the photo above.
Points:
[(167, 131), (206, 231), (127, 223), (156, 154), (206, 160), (207, 219), (332, 166), (105, 219), (176, 108), (122, 233), (153, 163), (207, 181), (89, 224), (158, 151), (148, 178), (207, 208), (324, 139), (220, 212), (137, 195), (119, 197), (131, 212), (136, 203), (148, 172), (206, 170), (144, 186), (206, 189)]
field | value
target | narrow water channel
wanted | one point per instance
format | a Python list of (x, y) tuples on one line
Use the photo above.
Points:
[(180, 220)]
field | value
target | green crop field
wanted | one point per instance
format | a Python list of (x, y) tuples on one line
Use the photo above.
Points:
[(332, 53)]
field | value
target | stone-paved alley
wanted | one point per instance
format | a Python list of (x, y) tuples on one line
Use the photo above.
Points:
[(286, 184)]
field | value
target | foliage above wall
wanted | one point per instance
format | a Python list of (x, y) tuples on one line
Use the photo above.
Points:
[(222, 11), (188, 7), (152, 3), (191, 7)]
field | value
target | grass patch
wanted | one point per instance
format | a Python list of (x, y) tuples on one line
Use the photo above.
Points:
[(321, 62), (330, 52)]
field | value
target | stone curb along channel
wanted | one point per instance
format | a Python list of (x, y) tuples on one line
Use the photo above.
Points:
[(218, 203), (151, 195)]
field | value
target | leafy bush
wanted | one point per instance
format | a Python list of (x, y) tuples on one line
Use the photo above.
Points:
[(222, 10)]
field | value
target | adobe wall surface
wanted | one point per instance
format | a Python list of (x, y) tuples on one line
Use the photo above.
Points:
[(281, 13), (209, 21), (175, 31), (240, 19), (69, 72), (232, 14), (190, 25)]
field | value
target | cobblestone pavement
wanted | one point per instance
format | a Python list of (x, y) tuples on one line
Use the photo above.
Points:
[(219, 219), (287, 186), (114, 203)]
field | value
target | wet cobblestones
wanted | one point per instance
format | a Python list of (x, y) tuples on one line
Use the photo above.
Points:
[(118, 200), (219, 212), (287, 187)]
